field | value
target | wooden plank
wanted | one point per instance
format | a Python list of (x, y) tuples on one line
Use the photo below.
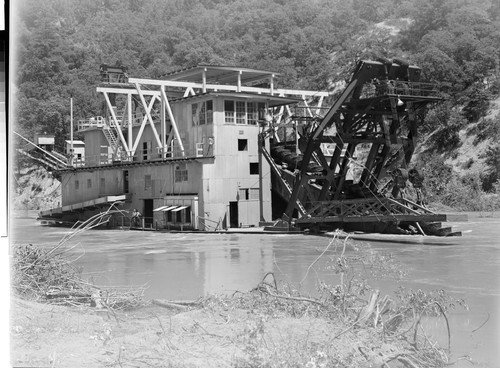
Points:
[(457, 217), (399, 217), (382, 218)]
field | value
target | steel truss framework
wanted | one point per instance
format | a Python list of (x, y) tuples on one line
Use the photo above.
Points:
[(155, 96), (378, 112)]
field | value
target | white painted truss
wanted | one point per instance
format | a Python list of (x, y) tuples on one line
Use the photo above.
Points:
[(155, 95)]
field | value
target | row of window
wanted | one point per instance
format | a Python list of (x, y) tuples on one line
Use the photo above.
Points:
[(245, 194), (235, 112), (180, 174), (243, 112)]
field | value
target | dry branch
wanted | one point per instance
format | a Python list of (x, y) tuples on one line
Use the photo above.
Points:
[(46, 275), (298, 299), (169, 305)]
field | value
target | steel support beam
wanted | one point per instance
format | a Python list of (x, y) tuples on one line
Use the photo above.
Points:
[(172, 121), (143, 125), (118, 127), (130, 136), (148, 114)]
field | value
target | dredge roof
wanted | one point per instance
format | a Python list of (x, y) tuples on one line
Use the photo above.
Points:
[(272, 100), (218, 74)]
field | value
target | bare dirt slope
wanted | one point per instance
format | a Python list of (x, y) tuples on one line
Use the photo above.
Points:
[(56, 336), (35, 189)]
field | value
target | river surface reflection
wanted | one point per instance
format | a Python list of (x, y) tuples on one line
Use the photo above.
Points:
[(185, 266)]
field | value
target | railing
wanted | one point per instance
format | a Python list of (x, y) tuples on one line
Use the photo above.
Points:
[(100, 121), (43, 159), (94, 122), (150, 155), (149, 223), (140, 222), (122, 221), (206, 224), (94, 160), (401, 88)]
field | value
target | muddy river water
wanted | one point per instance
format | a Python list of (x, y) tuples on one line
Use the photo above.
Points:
[(185, 266)]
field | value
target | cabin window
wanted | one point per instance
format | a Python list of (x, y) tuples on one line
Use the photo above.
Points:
[(102, 185), (252, 113), (181, 173), (253, 193), (203, 109), (242, 145), (89, 183), (147, 182), (77, 185), (254, 168), (229, 112), (210, 111), (202, 113), (194, 114), (241, 112), (187, 215), (243, 194)]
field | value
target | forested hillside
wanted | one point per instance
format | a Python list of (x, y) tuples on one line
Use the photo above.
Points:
[(313, 43)]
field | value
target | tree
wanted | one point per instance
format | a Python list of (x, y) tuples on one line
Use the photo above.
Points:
[(427, 16)]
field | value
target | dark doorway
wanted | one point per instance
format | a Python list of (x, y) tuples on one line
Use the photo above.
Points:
[(148, 211), (125, 181), (233, 214)]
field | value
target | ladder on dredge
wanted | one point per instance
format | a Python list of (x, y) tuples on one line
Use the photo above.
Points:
[(379, 111)]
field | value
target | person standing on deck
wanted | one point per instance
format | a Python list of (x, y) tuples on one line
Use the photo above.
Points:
[(135, 219)]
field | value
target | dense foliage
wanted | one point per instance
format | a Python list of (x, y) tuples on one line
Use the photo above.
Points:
[(312, 43)]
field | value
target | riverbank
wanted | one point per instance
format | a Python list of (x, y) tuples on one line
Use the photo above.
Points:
[(60, 320), (178, 266), (218, 333)]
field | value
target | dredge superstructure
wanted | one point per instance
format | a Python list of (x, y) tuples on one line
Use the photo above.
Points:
[(212, 147)]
